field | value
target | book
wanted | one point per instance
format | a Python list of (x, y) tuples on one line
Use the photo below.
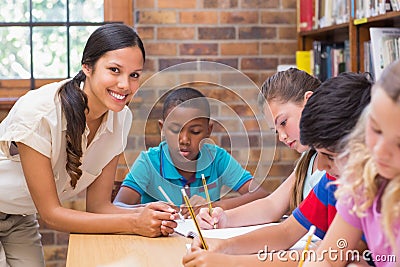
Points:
[(304, 61), (306, 15), (188, 229), (384, 47)]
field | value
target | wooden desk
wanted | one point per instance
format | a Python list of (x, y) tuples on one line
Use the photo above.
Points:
[(125, 250)]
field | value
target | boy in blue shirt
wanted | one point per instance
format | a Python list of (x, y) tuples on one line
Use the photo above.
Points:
[(182, 159)]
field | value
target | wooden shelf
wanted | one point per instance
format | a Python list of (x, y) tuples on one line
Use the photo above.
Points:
[(326, 30)]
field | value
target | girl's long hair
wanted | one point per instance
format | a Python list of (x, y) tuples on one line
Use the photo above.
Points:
[(290, 86), (74, 101)]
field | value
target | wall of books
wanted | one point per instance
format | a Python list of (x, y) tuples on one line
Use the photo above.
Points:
[(347, 35)]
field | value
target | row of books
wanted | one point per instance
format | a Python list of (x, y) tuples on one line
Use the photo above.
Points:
[(383, 49), (315, 14), (371, 8), (325, 60)]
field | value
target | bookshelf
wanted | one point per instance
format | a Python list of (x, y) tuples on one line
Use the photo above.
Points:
[(355, 30)]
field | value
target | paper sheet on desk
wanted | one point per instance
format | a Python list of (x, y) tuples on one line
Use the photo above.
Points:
[(188, 229)]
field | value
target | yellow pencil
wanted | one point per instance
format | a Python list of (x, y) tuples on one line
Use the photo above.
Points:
[(191, 211), (307, 246), (207, 194), (210, 208)]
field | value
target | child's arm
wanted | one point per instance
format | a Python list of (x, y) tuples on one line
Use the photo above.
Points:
[(203, 258), (245, 197), (341, 236), (280, 236), (127, 196), (264, 210)]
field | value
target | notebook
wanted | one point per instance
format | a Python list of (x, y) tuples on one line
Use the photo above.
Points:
[(187, 228)]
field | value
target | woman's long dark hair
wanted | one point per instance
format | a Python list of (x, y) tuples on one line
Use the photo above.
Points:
[(74, 101)]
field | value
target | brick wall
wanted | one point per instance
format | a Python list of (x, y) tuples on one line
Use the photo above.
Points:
[(252, 36)]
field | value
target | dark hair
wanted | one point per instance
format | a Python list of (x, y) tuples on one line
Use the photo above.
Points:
[(390, 80), (333, 110), (290, 86), (74, 101), (186, 97)]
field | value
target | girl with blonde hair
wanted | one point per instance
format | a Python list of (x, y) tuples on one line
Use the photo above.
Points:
[(369, 189)]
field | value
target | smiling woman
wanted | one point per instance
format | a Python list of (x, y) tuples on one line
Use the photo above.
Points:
[(66, 137)]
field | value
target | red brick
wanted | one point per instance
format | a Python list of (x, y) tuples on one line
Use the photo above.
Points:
[(143, 4), (48, 237), (198, 49), (243, 110), (176, 4), (259, 63), (216, 33), (146, 33), (239, 49), (240, 141), (257, 32), (198, 17), (62, 238), (239, 17), (156, 17), (175, 33), (232, 62), (278, 17), (149, 65), (52, 253), (169, 62), (161, 49), (279, 48), (220, 3), (289, 4), (288, 61), (289, 32), (260, 4), (281, 169)]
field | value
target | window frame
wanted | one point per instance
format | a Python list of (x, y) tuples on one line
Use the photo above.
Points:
[(11, 89)]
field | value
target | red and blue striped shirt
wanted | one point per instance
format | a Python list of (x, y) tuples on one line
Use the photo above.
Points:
[(319, 207)]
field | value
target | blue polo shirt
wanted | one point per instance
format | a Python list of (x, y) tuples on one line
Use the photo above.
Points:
[(154, 168)]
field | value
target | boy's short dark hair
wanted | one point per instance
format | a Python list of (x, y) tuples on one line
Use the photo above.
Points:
[(185, 97), (333, 110)]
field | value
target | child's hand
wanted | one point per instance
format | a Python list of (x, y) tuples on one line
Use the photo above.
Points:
[(217, 218), (203, 258), (156, 219), (214, 244), (197, 202)]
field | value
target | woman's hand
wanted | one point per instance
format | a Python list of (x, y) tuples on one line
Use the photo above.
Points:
[(156, 219)]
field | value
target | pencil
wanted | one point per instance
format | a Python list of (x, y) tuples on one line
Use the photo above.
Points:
[(307, 246), (170, 201), (210, 208), (191, 211)]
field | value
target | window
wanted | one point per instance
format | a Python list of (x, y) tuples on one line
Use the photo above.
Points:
[(43, 40)]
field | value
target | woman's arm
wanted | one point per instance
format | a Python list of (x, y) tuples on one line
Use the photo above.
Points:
[(98, 194), (341, 237), (40, 180)]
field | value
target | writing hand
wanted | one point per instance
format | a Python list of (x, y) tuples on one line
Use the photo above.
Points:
[(217, 218)]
